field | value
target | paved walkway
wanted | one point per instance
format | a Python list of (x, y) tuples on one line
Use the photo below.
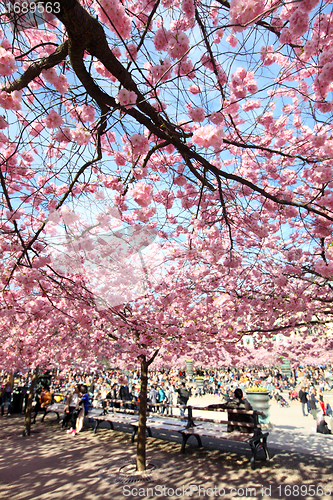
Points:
[(291, 431), (52, 465)]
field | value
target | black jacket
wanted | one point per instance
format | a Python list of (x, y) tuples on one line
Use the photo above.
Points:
[(183, 396), (124, 393), (303, 396)]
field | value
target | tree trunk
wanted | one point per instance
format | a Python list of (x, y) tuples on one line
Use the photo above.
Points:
[(141, 444), (27, 419)]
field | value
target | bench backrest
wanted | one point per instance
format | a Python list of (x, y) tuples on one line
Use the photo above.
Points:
[(129, 408), (237, 417)]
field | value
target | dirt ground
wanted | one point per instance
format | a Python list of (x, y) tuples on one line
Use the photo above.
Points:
[(53, 465)]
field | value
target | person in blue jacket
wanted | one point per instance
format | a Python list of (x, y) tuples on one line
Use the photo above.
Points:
[(161, 398), (84, 398)]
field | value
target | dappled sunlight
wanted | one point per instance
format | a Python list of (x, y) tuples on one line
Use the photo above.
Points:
[(51, 465)]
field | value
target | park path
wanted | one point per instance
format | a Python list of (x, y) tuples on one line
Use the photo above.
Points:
[(291, 431), (51, 465)]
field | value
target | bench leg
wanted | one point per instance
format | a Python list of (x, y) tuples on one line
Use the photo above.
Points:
[(45, 412), (199, 441), (253, 458), (185, 439), (259, 443), (264, 446), (134, 433), (97, 422)]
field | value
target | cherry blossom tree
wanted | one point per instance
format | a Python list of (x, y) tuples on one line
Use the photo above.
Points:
[(44, 332), (210, 124)]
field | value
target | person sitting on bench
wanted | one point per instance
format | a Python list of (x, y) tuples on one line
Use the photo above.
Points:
[(322, 426), (43, 402), (239, 403)]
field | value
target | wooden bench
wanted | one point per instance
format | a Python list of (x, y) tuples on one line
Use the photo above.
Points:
[(257, 441), (199, 427), (115, 418), (125, 415), (59, 408), (196, 426), (158, 423), (170, 424), (53, 408)]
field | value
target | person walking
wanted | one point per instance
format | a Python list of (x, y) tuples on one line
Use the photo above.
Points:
[(124, 392), (161, 398), (80, 411), (169, 396), (303, 397), (183, 397), (153, 399), (313, 403)]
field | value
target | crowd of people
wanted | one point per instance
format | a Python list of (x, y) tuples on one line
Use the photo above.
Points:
[(172, 386), (312, 398)]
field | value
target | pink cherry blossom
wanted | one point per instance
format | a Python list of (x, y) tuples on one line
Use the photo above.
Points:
[(197, 114), (197, 210), (139, 144), (126, 98), (208, 136), (244, 12), (7, 62), (11, 101), (53, 119), (86, 113), (194, 89), (142, 193), (232, 40)]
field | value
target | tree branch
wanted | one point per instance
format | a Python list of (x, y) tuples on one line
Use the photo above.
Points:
[(36, 68)]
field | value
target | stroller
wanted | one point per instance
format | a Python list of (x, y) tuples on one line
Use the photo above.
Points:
[(283, 403)]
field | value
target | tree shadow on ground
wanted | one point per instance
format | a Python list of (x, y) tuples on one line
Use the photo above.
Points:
[(52, 465)]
